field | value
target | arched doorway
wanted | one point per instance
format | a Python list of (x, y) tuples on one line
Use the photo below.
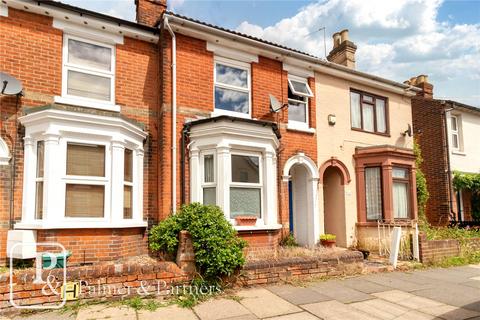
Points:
[(302, 176), (333, 176), (334, 205)]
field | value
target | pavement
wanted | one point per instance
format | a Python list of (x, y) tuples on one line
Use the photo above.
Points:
[(450, 294)]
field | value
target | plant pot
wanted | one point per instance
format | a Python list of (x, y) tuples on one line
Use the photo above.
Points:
[(246, 220), (328, 243)]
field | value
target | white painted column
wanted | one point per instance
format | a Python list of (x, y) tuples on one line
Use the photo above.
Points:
[(52, 186), (224, 173), (270, 188), (316, 229), (29, 172), (138, 185), (117, 176), (195, 174)]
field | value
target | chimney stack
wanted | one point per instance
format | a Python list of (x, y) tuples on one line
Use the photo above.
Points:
[(149, 11), (421, 82), (343, 51)]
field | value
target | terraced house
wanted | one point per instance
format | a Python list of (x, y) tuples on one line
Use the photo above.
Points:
[(121, 122)]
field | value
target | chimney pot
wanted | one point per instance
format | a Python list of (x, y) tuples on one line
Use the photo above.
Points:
[(343, 51), (421, 82)]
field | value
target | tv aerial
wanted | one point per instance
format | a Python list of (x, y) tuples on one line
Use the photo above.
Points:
[(9, 85), (275, 105)]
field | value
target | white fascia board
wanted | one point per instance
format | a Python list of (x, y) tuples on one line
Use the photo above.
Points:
[(297, 59), (298, 71), (230, 53), (85, 32), (103, 26), (109, 123), (3, 10)]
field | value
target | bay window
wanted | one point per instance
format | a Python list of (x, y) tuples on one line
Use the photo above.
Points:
[(246, 186), (232, 87), (368, 112), (233, 165), (81, 171), (298, 94)]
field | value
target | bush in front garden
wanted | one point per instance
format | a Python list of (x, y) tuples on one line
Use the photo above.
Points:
[(218, 249)]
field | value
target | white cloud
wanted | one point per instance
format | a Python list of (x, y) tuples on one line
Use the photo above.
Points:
[(395, 39)]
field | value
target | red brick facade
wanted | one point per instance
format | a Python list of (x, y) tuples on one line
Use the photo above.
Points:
[(32, 52)]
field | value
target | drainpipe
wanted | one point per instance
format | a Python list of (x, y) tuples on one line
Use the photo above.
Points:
[(449, 172), (174, 115), (185, 133)]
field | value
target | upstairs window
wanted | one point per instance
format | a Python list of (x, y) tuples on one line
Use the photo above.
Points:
[(88, 70), (232, 87), (298, 94), (455, 132), (368, 112)]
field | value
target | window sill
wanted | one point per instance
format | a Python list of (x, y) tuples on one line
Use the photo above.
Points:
[(80, 225), (258, 228), (89, 104), (459, 153), (291, 127), (218, 113), (372, 132)]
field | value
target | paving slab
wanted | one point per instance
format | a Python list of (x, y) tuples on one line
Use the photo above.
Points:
[(217, 309), (339, 292), (417, 315), (453, 294), (264, 303), (393, 295), (245, 317), (50, 315), (364, 286), (172, 312), (295, 316), (450, 312), (101, 311), (298, 295), (333, 310), (447, 275), (396, 283), (380, 308)]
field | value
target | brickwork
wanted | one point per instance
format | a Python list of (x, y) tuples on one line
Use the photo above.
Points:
[(428, 123), (436, 250), (195, 99), (259, 273), (32, 52), (260, 241)]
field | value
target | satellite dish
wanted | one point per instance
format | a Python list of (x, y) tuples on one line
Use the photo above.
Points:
[(275, 105), (9, 85), (408, 131)]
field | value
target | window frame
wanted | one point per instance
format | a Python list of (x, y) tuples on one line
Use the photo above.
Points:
[(382, 200), (293, 124), (407, 182), (105, 181), (39, 180), (239, 65), (67, 66), (204, 184), (127, 183), (247, 185), (455, 132), (373, 104)]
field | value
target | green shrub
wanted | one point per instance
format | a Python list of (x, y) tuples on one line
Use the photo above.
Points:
[(289, 241), (328, 236), (218, 249), (422, 189)]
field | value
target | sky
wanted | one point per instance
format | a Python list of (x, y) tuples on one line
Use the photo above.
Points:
[(396, 39)]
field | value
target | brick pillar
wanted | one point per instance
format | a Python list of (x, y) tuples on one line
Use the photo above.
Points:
[(185, 253)]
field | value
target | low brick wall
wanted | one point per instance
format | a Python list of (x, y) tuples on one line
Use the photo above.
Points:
[(115, 281), (97, 282), (436, 250), (344, 263)]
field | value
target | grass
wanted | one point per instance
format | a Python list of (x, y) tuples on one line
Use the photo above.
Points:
[(443, 233), (138, 303)]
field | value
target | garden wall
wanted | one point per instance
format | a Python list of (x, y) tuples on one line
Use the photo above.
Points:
[(266, 272), (436, 250)]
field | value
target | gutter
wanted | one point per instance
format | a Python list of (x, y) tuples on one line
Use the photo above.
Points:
[(318, 64), (174, 114)]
